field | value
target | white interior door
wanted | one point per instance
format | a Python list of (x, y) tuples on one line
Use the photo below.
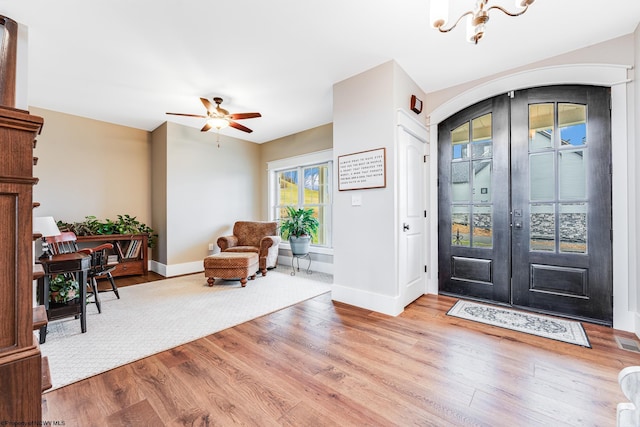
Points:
[(411, 180)]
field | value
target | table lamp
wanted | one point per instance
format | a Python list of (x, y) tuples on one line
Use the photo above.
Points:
[(46, 226)]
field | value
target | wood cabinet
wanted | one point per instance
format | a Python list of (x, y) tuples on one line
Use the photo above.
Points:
[(21, 363), (131, 250)]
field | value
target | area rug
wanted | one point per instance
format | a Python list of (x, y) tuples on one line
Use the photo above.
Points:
[(156, 316), (543, 326)]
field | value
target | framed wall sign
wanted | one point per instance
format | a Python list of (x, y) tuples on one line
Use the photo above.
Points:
[(363, 170)]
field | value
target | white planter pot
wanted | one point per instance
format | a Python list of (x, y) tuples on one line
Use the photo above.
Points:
[(300, 245)]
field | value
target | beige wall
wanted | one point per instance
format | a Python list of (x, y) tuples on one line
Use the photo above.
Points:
[(175, 179), (305, 142), (208, 188), (159, 191), (88, 167)]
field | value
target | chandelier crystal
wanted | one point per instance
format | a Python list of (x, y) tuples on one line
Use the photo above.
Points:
[(476, 18)]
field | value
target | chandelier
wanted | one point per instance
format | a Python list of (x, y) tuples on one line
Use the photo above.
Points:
[(476, 18)]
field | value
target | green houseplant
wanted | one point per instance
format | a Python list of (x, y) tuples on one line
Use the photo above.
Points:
[(63, 288), (299, 226), (125, 224)]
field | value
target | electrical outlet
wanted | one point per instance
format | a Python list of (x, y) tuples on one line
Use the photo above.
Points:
[(210, 246)]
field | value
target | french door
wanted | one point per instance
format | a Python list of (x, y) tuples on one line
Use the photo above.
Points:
[(525, 202)]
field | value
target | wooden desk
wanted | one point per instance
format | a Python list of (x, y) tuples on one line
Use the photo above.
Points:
[(64, 263)]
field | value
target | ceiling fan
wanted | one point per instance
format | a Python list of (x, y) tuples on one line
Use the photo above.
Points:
[(217, 117)]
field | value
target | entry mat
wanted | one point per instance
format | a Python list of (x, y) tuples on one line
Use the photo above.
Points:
[(535, 324)]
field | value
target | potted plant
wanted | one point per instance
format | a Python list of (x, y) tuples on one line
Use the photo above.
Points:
[(63, 288), (92, 226), (299, 226)]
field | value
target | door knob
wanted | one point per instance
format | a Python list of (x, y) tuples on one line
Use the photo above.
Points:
[(405, 227)]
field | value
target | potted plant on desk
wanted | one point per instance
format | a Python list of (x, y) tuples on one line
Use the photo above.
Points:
[(63, 288), (299, 226)]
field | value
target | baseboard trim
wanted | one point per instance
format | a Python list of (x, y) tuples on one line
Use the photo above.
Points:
[(197, 266), (384, 304), (321, 267), (176, 269)]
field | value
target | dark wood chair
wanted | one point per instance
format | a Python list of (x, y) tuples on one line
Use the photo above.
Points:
[(67, 242)]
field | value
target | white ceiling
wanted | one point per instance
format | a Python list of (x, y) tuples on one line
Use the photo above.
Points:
[(130, 62)]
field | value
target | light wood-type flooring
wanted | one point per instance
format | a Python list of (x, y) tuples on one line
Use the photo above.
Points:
[(322, 363)]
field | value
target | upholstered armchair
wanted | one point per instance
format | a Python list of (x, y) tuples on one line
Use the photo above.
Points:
[(260, 237)]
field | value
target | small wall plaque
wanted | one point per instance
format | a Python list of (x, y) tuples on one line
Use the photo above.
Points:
[(416, 105)]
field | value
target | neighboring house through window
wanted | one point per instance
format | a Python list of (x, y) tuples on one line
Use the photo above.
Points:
[(304, 182)]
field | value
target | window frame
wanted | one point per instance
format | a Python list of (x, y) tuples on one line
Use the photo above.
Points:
[(300, 162)]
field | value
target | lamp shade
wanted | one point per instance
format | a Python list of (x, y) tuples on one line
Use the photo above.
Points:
[(219, 122), (46, 226)]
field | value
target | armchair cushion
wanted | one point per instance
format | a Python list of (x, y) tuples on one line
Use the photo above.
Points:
[(260, 237)]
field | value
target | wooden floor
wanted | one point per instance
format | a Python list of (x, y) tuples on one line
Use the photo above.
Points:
[(324, 363)]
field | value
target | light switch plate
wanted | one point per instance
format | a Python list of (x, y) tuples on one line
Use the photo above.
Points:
[(356, 200)]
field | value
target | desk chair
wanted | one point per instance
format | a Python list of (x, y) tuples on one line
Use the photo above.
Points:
[(67, 242)]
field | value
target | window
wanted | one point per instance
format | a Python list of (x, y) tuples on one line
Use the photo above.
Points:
[(304, 182)]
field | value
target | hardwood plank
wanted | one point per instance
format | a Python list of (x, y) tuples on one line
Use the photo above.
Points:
[(139, 414), (46, 374), (325, 363)]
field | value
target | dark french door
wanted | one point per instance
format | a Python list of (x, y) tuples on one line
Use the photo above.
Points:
[(525, 202)]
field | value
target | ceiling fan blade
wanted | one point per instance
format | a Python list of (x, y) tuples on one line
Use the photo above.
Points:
[(239, 116), (208, 105), (239, 126), (189, 115), (206, 127)]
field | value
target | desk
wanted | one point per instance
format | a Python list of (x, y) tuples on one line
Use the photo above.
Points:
[(64, 263)]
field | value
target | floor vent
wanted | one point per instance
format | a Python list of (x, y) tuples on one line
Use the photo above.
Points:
[(628, 344)]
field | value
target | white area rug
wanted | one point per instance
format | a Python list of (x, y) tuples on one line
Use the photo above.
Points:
[(543, 326), (156, 316)]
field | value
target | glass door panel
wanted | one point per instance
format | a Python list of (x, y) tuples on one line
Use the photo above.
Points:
[(572, 174), (573, 227), (540, 126), (542, 180), (543, 227), (482, 227)]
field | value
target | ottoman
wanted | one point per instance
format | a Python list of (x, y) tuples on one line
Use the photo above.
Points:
[(231, 265)]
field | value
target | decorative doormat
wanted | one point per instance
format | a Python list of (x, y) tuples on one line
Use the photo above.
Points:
[(543, 326)]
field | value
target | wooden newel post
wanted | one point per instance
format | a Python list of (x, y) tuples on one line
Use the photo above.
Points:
[(8, 54)]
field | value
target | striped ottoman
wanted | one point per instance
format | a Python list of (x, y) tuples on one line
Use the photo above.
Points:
[(231, 265)]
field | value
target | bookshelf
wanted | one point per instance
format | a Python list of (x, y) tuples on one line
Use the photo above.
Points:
[(131, 251)]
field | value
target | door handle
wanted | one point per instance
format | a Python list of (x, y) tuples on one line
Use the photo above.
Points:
[(405, 227), (517, 218)]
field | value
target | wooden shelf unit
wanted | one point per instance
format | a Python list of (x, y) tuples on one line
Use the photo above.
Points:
[(127, 266), (21, 368)]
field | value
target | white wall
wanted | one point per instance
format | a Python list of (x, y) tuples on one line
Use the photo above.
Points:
[(365, 236), (634, 196)]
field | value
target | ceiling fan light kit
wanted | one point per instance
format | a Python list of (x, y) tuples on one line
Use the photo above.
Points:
[(476, 18), (219, 118)]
